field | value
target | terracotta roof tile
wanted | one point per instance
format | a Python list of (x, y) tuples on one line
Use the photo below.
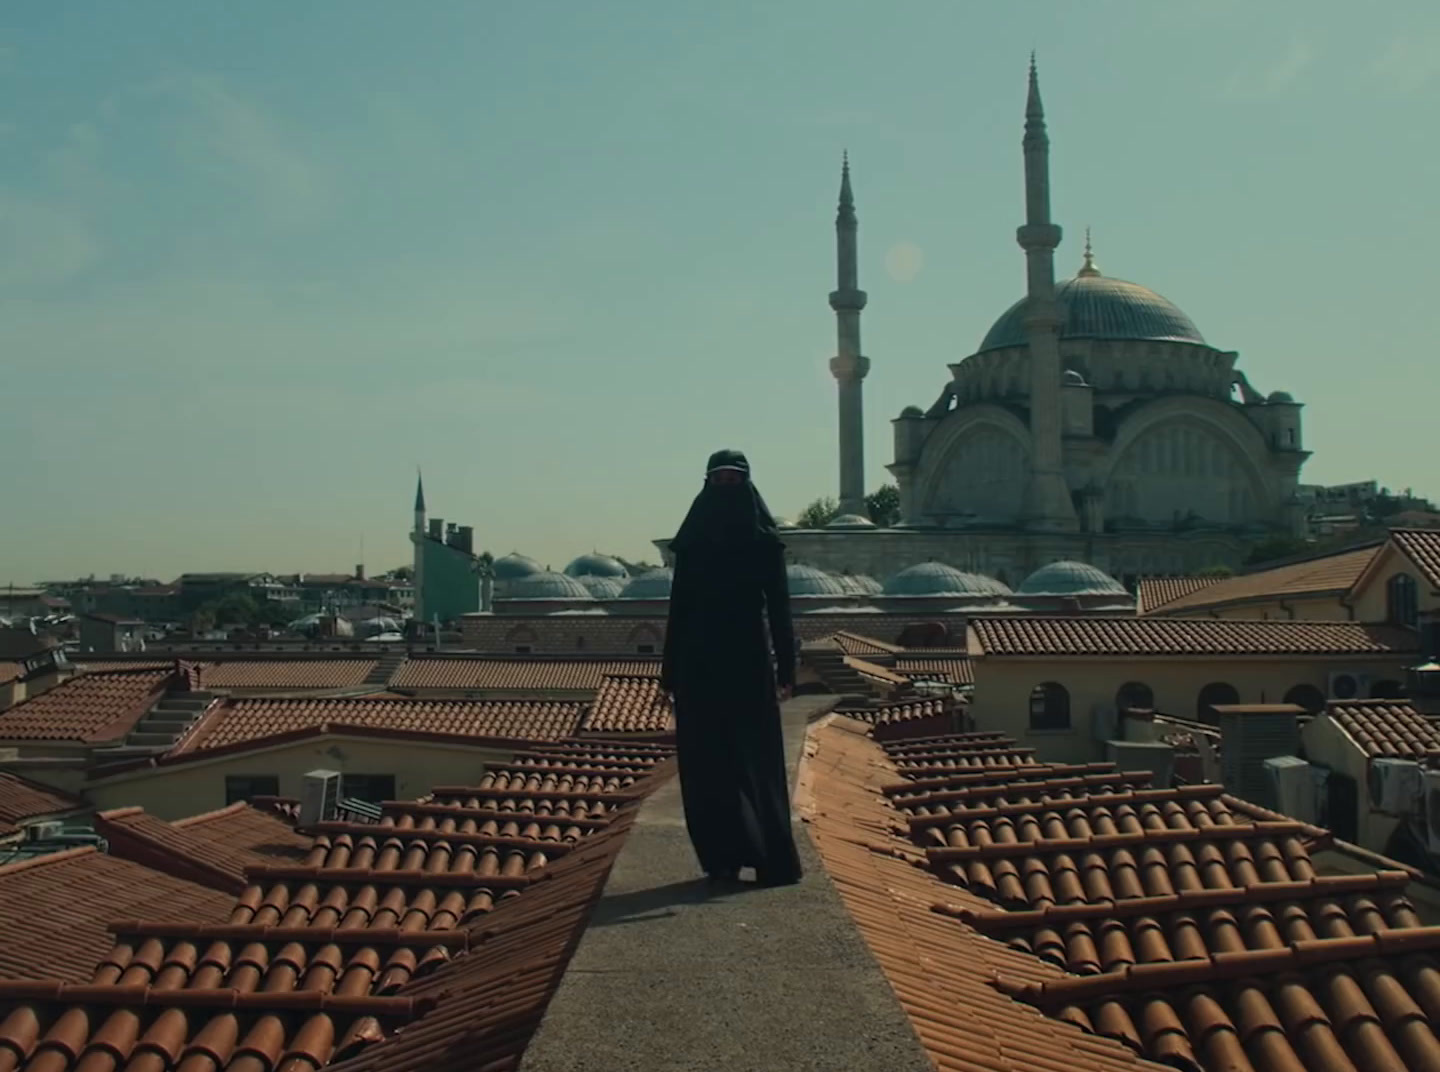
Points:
[(56, 908), (368, 953), (517, 673), (90, 707), (1386, 727), (876, 674), (213, 849), (1155, 592), (22, 799), (286, 673), (1179, 925), (1423, 547), (628, 704), (855, 644), (957, 669), (1331, 574), (1184, 636), (239, 720)]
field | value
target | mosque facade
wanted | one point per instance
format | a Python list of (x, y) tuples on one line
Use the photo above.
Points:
[(1094, 423)]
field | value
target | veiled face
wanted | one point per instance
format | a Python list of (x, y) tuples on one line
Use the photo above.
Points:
[(726, 478)]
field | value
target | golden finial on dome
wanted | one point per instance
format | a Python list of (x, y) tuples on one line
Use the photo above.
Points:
[(1088, 268)]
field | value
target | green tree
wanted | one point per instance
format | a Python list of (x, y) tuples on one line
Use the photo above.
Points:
[(1215, 571), (818, 514), (883, 505), (233, 608)]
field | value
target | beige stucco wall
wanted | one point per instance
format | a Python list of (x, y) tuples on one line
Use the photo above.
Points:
[(1003, 686), (1326, 745), (181, 789), (1322, 609), (1369, 600)]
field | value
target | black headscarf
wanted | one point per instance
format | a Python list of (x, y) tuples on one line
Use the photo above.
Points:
[(726, 515)]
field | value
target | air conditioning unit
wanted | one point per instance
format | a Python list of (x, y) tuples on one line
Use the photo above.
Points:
[(1395, 785), (47, 831), (319, 796), (1432, 810), (1349, 685), (1292, 787)]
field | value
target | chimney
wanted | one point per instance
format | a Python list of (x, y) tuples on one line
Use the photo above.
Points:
[(1249, 735), (360, 571), (465, 539), (437, 528), (451, 539)]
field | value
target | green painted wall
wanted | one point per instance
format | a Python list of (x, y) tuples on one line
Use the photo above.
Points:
[(450, 586)]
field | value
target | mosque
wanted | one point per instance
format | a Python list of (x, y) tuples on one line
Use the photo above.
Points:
[(1093, 424)]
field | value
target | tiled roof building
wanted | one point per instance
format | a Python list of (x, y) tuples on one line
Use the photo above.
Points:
[(1329, 577), (88, 709), (1182, 636), (368, 953), (1152, 593), (1176, 926), (630, 704), (1386, 727), (22, 800)]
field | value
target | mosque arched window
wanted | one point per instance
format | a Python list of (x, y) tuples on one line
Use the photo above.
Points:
[(1401, 600), (1050, 706), (1308, 697), (1217, 692), (1135, 696)]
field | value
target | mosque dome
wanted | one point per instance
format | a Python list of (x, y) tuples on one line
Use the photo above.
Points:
[(602, 587), (597, 565), (1281, 397), (1093, 306), (851, 521), (938, 579), (546, 585), (1070, 579), (809, 581), (514, 566), (912, 411), (652, 585)]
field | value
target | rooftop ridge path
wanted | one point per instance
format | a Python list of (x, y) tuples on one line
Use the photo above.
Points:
[(668, 975)]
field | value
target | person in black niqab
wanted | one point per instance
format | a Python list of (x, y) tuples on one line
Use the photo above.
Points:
[(728, 676)]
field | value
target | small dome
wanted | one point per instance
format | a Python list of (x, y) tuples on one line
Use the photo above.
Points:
[(851, 521), (652, 585), (809, 581), (597, 565), (1073, 378), (546, 585), (912, 412), (1098, 307), (514, 566), (1070, 579), (1281, 397), (859, 584), (938, 579), (602, 587)]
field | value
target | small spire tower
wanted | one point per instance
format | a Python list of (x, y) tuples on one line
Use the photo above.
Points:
[(849, 366)]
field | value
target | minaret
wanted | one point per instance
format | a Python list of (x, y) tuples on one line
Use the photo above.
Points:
[(1047, 497), (417, 537), (848, 366)]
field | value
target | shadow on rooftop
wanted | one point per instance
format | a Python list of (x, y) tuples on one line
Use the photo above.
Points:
[(659, 902)]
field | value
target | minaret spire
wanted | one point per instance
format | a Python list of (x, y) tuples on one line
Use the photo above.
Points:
[(1088, 268), (848, 366), (1048, 504), (419, 491)]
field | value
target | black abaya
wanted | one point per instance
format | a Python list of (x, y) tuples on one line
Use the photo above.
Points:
[(718, 663)]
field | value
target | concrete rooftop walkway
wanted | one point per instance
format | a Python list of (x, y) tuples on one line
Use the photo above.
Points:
[(669, 975)]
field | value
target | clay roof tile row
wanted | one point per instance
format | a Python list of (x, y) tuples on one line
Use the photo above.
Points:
[(1157, 592), (1423, 548), (421, 941), (1036, 636), (88, 708), (287, 673), (630, 704), (22, 800), (1331, 574), (1386, 727), (1181, 926)]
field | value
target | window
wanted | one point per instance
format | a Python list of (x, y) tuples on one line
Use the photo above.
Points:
[(1401, 603), (1217, 692), (1050, 707), (1387, 689), (1135, 695), (1308, 697), (370, 787), (240, 787)]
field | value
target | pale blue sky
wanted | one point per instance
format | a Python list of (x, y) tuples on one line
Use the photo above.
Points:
[(259, 260)]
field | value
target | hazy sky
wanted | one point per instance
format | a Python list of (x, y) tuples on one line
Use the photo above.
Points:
[(258, 261)]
